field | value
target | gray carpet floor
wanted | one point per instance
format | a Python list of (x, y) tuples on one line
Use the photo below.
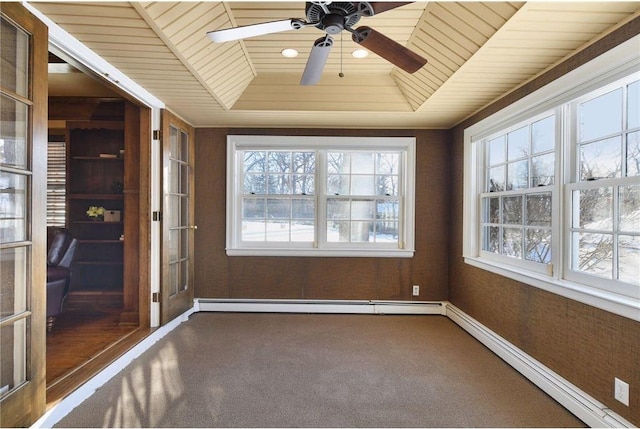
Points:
[(301, 370)]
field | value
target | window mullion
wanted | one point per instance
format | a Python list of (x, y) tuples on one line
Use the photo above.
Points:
[(321, 199)]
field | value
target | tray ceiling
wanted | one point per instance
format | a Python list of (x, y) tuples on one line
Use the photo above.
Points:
[(476, 51)]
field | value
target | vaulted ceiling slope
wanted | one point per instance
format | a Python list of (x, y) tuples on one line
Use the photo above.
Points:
[(476, 51)]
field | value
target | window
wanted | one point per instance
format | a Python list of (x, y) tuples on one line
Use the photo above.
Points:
[(519, 173), (320, 196), (552, 186), (56, 181)]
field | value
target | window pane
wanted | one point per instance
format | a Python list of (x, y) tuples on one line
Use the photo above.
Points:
[(518, 175), (633, 154), (253, 230), (361, 232), (278, 209), (302, 230), (13, 200), (512, 242), (13, 355), (601, 116), (387, 185), (279, 162), (539, 209), (595, 254), (492, 210), (304, 162), (279, 184), (254, 162), (255, 184), (543, 135), (302, 209), (496, 179), (512, 210), (15, 51), (13, 286), (491, 239), (387, 163), (600, 159), (595, 209), (253, 208), (338, 209), (362, 163), (184, 146), (362, 209), (338, 184), (518, 144), (387, 210), (304, 184), (277, 230), (629, 259), (13, 133), (386, 232), (543, 170), (338, 231), (633, 105), (538, 245), (338, 163), (362, 185), (629, 208), (496, 150)]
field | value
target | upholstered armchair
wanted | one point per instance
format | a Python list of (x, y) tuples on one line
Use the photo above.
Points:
[(59, 259)]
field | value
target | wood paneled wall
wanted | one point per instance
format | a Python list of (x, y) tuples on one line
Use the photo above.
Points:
[(585, 345), (220, 276)]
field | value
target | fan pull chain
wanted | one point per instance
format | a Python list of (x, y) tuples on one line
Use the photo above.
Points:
[(341, 51)]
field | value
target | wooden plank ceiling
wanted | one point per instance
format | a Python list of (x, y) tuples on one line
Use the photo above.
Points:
[(476, 51)]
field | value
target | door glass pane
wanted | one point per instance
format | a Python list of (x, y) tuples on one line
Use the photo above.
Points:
[(13, 281), (13, 132), (184, 146), (14, 68), (13, 355), (13, 210)]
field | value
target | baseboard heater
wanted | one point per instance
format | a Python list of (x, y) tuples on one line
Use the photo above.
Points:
[(319, 306)]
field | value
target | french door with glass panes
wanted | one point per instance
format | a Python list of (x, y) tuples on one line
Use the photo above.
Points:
[(177, 217), (23, 166)]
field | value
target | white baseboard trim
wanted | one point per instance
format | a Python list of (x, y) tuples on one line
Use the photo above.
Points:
[(582, 405), (320, 306)]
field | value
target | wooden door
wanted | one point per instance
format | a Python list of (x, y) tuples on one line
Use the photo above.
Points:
[(177, 217), (23, 166)]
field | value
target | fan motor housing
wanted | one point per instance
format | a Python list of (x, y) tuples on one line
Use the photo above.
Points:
[(336, 20)]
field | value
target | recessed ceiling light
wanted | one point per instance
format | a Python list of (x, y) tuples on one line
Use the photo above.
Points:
[(360, 53), (289, 53)]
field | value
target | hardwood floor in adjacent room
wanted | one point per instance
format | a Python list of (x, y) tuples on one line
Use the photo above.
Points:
[(84, 341)]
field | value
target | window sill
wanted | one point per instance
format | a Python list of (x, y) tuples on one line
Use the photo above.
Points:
[(625, 306), (327, 253)]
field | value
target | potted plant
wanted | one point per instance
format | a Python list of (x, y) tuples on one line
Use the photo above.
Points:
[(96, 213)]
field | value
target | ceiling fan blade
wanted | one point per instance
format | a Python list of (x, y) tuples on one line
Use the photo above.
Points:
[(253, 30), (388, 49), (383, 6), (317, 60)]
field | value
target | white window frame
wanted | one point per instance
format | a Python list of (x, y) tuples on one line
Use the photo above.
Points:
[(608, 68), (321, 247)]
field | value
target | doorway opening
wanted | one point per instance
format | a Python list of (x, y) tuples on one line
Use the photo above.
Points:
[(96, 193)]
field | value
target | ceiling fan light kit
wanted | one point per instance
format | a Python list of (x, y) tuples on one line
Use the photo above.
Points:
[(333, 18)]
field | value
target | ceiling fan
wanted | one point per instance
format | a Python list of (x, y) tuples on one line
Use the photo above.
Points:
[(332, 18)]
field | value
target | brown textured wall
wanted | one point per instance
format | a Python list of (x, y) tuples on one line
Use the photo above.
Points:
[(220, 276), (585, 345)]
